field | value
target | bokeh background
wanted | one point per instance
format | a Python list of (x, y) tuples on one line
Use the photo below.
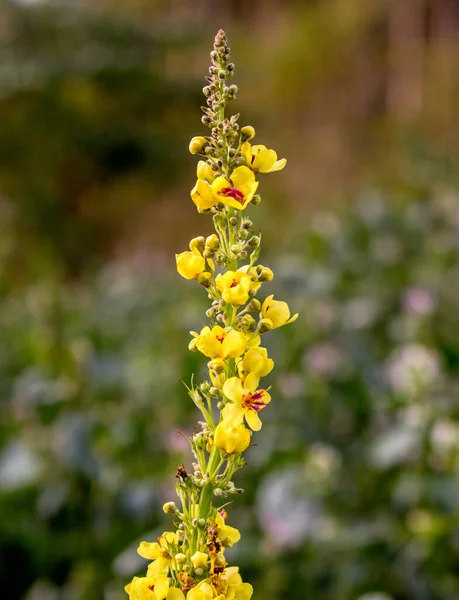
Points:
[(352, 490)]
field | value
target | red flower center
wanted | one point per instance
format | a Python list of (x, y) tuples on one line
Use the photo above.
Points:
[(234, 193), (254, 401)]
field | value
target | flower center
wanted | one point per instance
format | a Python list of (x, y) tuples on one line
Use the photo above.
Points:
[(234, 283), (254, 401), (151, 587), (220, 338), (233, 193)]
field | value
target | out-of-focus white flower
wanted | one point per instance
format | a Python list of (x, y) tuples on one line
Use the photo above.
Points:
[(322, 462), (412, 369), (323, 359), (418, 301)]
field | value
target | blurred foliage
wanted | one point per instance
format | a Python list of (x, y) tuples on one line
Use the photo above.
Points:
[(354, 481), (353, 484)]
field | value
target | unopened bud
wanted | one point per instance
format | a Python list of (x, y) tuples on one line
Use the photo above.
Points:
[(198, 243), (180, 558), (201, 523), (199, 560), (254, 241), (254, 305), (204, 170), (247, 132), (256, 199), (214, 392), (264, 325), (219, 493), (248, 322), (204, 278), (197, 144), (170, 508), (266, 274), (212, 243), (205, 387), (193, 345), (233, 221), (217, 365)]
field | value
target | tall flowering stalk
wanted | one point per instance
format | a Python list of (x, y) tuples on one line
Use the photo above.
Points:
[(190, 561)]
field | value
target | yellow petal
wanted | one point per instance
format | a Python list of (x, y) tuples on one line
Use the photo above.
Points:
[(190, 264), (233, 413), (233, 389), (253, 420), (149, 550), (204, 171), (246, 151), (242, 176), (264, 159), (233, 344), (251, 382), (175, 594), (161, 587), (278, 165), (202, 195)]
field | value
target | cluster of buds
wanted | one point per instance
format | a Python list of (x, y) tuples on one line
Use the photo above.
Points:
[(190, 561)]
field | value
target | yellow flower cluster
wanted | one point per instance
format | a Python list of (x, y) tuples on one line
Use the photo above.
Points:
[(190, 562)]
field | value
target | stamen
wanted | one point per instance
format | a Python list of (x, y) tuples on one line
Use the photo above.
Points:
[(254, 401), (234, 283)]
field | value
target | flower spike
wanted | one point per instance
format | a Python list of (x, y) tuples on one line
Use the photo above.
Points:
[(189, 563)]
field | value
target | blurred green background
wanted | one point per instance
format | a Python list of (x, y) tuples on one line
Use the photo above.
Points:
[(352, 490)]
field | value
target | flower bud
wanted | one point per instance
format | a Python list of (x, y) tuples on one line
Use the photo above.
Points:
[(266, 274), (247, 132), (254, 241), (205, 387), (198, 243), (180, 558), (214, 392), (197, 144), (204, 278), (170, 508), (248, 322), (212, 243), (217, 365), (256, 199), (254, 305), (199, 571), (233, 221), (192, 345), (199, 560), (219, 493), (201, 523), (264, 325)]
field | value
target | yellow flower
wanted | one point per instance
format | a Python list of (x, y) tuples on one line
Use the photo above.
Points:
[(259, 158), (200, 560), (204, 171), (158, 552), (277, 312), (227, 534), (151, 588), (197, 144), (203, 591), (235, 588), (220, 343), (246, 400), (202, 195), (190, 264), (256, 361), (231, 438), (237, 193), (234, 287)]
